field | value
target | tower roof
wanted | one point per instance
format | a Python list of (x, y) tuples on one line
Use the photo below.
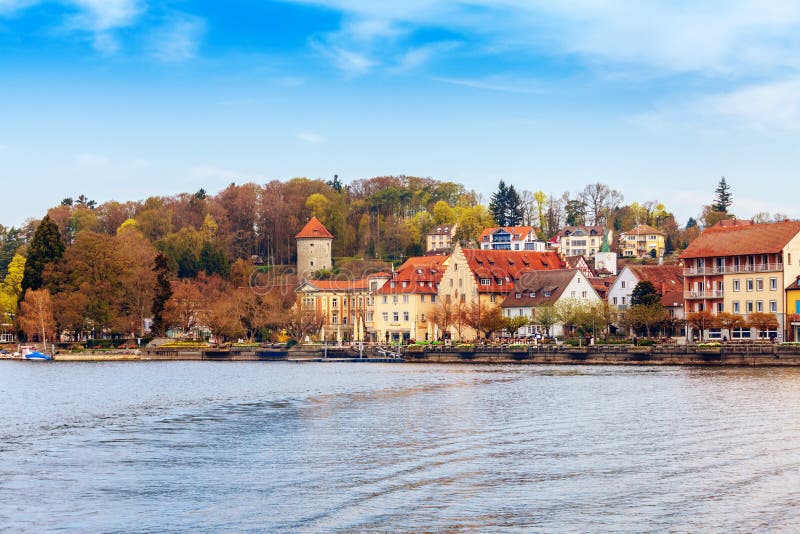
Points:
[(314, 230)]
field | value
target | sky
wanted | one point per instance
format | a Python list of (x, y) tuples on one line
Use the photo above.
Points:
[(125, 99)]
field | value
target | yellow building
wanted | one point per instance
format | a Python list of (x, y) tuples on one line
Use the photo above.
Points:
[(403, 304), (440, 238), (743, 268), (641, 242), (793, 310)]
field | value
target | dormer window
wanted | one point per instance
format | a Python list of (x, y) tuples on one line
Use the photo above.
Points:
[(486, 282), (392, 284), (518, 295), (533, 294), (546, 293), (405, 284)]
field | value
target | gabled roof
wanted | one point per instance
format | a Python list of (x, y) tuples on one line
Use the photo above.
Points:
[(664, 277), (503, 267), (419, 274), (442, 229), (545, 286), (570, 230), (737, 239), (794, 285), (518, 233), (314, 229), (643, 229), (603, 285), (578, 262), (672, 299)]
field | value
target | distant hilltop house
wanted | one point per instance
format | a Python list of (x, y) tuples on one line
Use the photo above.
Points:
[(511, 238), (440, 239), (642, 241), (578, 240), (744, 268), (313, 248)]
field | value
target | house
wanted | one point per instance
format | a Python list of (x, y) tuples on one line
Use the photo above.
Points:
[(485, 277), (440, 239), (665, 278), (511, 238), (578, 240), (403, 304), (536, 289), (345, 307), (580, 263), (793, 310), (743, 267), (602, 285), (313, 248), (642, 241)]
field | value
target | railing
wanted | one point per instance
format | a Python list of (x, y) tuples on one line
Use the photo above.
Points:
[(733, 269), (702, 294)]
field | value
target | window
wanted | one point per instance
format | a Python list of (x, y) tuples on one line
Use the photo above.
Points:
[(735, 306), (546, 293), (584, 295), (767, 334), (499, 281), (532, 294), (740, 333), (404, 284), (433, 299), (334, 303), (759, 284), (393, 284), (518, 295), (486, 282), (749, 284), (719, 307), (749, 306), (737, 285), (615, 300), (715, 333), (394, 299), (386, 316), (622, 284), (759, 306), (405, 299), (773, 284), (405, 316), (385, 299), (334, 318), (422, 317), (395, 316), (773, 306), (493, 298), (572, 294), (624, 300), (422, 299)]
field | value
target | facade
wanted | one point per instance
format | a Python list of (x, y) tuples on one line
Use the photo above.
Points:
[(403, 304), (580, 263), (511, 238), (665, 278), (793, 310), (643, 241), (605, 261), (547, 288), (440, 238), (345, 306), (742, 267), (578, 240), (485, 277), (313, 248)]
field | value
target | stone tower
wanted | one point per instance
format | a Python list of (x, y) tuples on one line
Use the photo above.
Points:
[(313, 248)]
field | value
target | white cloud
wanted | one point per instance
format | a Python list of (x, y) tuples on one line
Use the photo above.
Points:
[(178, 39), (349, 62), (101, 18), (769, 106), (420, 55), (310, 137), (10, 6), (497, 83)]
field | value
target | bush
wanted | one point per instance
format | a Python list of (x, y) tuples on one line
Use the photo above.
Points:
[(646, 342)]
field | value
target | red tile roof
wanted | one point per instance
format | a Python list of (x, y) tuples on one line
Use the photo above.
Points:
[(517, 232), (643, 229), (339, 285), (665, 278), (672, 299), (738, 239), (314, 229), (602, 285), (504, 267), (419, 275), (545, 286)]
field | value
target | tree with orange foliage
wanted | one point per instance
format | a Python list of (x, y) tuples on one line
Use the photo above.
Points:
[(36, 315)]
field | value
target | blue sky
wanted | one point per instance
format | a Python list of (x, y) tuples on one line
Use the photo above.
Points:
[(123, 99)]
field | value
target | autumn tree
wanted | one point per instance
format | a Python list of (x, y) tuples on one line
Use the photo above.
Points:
[(513, 324), (36, 315), (702, 321), (11, 286), (545, 316), (762, 321), (729, 321), (442, 315), (183, 306)]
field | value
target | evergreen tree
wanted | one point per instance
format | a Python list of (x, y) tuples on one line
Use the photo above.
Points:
[(213, 260), (162, 294), (724, 198), (46, 247), (576, 213), (691, 223), (335, 184), (645, 294), (498, 203)]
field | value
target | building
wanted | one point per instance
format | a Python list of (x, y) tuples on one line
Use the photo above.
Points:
[(344, 306), (578, 240), (665, 278), (602, 285), (793, 309), (536, 289), (485, 277), (440, 239), (403, 304), (743, 267), (605, 261), (580, 263), (641, 242), (313, 249), (511, 238)]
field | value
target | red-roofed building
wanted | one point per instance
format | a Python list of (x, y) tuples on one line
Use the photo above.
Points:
[(578, 240), (511, 238), (313, 248), (665, 278), (403, 304), (742, 267)]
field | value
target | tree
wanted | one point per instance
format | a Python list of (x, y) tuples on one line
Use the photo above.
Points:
[(540, 199), (712, 216), (545, 316), (513, 324), (442, 315), (45, 248), (182, 309), (702, 320), (300, 323), (723, 198), (576, 212), (11, 286), (599, 200), (36, 315), (729, 321), (645, 316), (492, 320), (645, 294), (336, 184), (506, 205), (763, 321), (163, 292)]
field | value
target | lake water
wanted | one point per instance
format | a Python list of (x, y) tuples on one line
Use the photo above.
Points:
[(255, 446)]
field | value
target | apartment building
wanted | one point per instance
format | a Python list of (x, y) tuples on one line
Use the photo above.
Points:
[(641, 242), (440, 238), (578, 240), (511, 238)]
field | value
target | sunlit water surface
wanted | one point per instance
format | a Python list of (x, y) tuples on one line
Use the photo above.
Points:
[(253, 446)]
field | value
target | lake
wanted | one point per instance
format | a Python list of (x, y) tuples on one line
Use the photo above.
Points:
[(322, 447)]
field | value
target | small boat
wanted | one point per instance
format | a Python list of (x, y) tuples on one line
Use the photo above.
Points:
[(38, 356)]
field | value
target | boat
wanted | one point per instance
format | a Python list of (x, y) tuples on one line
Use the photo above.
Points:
[(38, 356)]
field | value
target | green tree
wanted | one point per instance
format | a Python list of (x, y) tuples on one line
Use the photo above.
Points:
[(545, 316), (723, 198), (513, 324), (576, 212), (46, 247), (645, 293), (162, 294), (506, 205), (11, 286)]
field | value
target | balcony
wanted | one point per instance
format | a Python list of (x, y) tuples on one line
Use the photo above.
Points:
[(733, 269), (702, 294)]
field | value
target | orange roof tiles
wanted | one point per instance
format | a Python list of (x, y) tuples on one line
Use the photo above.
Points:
[(517, 232), (643, 229), (314, 229), (340, 285), (417, 275), (503, 267), (664, 277), (739, 239)]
